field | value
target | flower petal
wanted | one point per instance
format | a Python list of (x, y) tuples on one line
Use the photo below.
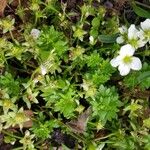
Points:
[(115, 61), (120, 39), (136, 63), (35, 33), (127, 50), (145, 25), (124, 69), (141, 43), (132, 32), (43, 70), (123, 29), (141, 34)]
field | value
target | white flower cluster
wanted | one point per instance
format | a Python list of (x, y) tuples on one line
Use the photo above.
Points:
[(133, 38)]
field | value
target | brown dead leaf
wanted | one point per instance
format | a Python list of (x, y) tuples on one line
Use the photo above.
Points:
[(15, 3), (3, 4), (27, 124), (79, 125), (29, 113)]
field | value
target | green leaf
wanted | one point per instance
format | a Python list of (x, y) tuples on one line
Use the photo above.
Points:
[(43, 130), (143, 76), (96, 22), (95, 25), (146, 123), (140, 11), (67, 104), (146, 141), (108, 38), (106, 104), (50, 39), (101, 73), (7, 81)]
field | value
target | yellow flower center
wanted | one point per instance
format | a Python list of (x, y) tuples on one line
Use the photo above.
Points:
[(147, 34), (127, 59), (133, 42), (7, 24), (7, 104), (20, 117)]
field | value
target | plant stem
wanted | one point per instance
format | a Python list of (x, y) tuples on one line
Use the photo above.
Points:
[(18, 148), (9, 134), (12, 37), (101, 138), (144, 5)]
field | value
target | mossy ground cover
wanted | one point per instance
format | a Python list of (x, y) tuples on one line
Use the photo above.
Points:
[(74, 74)]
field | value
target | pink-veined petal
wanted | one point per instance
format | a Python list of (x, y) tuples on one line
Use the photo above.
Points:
[(127, 50), (124, 69), (115, 61), (136, 63)]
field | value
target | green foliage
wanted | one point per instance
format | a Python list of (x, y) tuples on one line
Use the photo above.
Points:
[(141, 79), (50, 92), (58, 89), (123, 142), (59, 94), (96, 22), (49, 40), (27, 141), (70, 104), (105, 105), (93, 60), (140, 11), (146, 141), (107, 38), (13, 118), (146, 123), (7, 24), (43, 130), (95, 27), (134, 109), (101, 74), (7, 82)]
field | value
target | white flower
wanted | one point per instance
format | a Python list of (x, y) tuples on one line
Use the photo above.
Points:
[(132, 32), (43, 70), (133, 37), (123, 30), (120, 39), (126, 61), (145, 32), (145, 25), (37, 79), (35, 33), (91, 39)]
